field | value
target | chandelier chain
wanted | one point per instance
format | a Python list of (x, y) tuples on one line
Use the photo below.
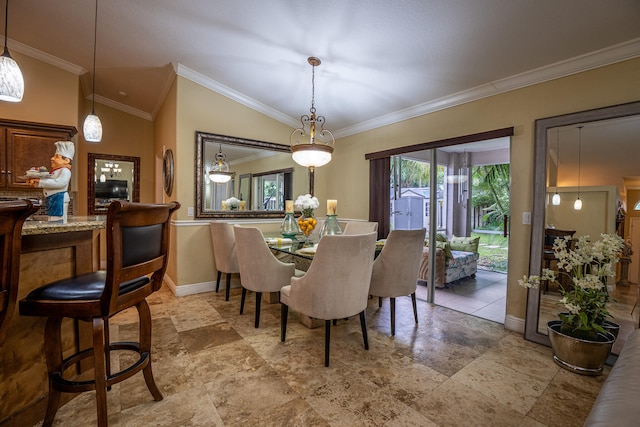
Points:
[(313, 88)]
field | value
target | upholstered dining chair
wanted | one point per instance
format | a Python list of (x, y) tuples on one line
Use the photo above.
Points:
[(13, 214), (224, 253), (137, 256), (359, 227), (260, 270), (395, 270), (336, 285)]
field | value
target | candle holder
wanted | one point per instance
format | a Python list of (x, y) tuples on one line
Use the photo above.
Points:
[(331, 226), (289, 227)]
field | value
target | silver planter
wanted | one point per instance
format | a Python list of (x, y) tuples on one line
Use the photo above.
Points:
[(577, 355)]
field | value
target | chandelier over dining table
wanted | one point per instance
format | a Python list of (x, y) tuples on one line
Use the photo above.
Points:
[(311, 144)]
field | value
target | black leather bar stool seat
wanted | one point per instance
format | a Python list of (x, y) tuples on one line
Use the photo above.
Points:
[(137, 256)]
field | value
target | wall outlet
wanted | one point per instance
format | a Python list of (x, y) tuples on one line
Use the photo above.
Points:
[(526, 218), (190, 211)]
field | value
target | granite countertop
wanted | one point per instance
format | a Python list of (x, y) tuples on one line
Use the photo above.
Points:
[(37, 224)]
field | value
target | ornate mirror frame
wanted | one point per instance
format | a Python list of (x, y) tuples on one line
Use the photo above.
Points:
[(542, 127), (91, 177), (203, 138)]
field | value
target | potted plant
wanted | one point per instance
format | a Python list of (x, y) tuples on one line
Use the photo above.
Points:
[(579, 339)]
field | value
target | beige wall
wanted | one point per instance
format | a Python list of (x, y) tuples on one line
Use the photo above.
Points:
[(198, 108), (598, 213)]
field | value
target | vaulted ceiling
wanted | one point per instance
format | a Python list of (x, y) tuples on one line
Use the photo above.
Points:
[(382, 61)]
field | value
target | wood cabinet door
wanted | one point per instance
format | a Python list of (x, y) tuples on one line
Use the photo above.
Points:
[(27, 148)]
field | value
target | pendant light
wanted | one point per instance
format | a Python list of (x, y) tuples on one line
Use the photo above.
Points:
[(219, 172), (555, 200), (92, 128), (319, 148), (11, 81), (578, 203)]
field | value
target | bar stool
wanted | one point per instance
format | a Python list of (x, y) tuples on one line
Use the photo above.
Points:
[(12, 216), (137, 256)]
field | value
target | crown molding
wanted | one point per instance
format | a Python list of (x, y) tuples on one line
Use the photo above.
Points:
[(45, 57), (218, 87), (600, 58), (121, 107)]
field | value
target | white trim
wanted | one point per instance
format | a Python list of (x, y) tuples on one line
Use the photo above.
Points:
[(218, 87), (122, 107), (45, 57), (513, 323), (195, 288), (611, 55), (201, 222)]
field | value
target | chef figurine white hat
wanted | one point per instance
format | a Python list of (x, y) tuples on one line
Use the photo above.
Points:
[(65, 149)]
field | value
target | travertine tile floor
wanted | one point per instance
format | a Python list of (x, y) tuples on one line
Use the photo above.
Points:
[(452, 369)]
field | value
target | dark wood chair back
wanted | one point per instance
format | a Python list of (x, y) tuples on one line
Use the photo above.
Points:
[(137, 246), (12, 217)]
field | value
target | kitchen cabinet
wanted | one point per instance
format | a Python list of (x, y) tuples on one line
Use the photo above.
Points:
[(24, 145)]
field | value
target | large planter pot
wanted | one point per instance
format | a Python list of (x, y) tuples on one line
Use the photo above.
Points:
[(578, 355), (612, 328)]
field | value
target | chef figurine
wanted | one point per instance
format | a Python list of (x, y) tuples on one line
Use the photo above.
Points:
[(56, 185)]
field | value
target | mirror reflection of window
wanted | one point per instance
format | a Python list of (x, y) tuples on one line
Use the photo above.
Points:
[(271, 189)]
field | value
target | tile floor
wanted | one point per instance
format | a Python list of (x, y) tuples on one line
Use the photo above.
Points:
[(484, 296), (215, 369)]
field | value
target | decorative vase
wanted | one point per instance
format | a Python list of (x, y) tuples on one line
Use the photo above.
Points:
[(331, 226), (289, 227), (577, 355), (307, 223)]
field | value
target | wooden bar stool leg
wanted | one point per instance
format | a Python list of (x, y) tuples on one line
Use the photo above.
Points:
[(53, 353), (145, 347), (100, 370)]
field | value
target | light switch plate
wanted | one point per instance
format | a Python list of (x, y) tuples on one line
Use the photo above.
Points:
[(526, 218), (190, 211)]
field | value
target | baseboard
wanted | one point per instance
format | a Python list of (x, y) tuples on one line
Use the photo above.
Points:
[(515, 324), (194, 288)]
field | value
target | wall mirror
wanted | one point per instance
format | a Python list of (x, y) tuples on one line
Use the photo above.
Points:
[(600, 163), (249, 161), (111, 177)]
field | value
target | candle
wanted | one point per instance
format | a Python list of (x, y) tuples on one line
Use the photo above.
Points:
[(288, 206), (224, 205), (332, 207), (243, 205)]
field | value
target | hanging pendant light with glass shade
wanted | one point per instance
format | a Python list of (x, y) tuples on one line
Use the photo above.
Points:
[(555, 200), (577, 205), (11, 80), (311, 145), (219, 171), (92, 128)]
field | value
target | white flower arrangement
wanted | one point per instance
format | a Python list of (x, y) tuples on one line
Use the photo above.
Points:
[(307, 204), (587, 265), (232, 203)]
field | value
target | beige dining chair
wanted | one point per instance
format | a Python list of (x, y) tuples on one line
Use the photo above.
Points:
[(224, 253), (336, 285), (395, 270), (260, 270), (359, 227)]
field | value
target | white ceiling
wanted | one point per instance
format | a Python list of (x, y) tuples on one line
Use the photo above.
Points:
[(382, 61)]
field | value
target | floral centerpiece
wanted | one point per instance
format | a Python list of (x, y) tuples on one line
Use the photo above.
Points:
[(233, 203), (307, 204), (587, 265)]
